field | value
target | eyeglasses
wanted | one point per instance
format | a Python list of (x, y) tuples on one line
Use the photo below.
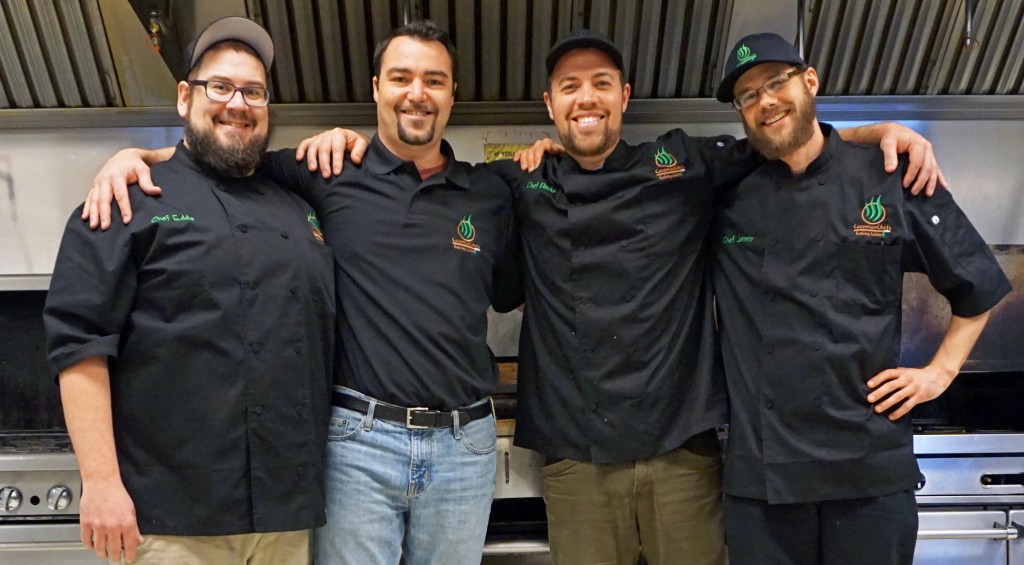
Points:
[(220, 91), (771, 86)]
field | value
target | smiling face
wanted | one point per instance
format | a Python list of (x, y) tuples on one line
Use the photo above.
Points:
[(586, 99), (782, 122), (415, 92), (229, 137)]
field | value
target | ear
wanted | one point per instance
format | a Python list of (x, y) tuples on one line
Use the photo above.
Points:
[(626, 91), (184, 94), (811, 76), (374, 89), (547, 102)]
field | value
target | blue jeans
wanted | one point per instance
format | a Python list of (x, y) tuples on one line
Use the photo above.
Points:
[(424, 495)]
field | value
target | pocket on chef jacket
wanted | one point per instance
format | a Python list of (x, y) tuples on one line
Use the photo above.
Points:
[(868, 277), (344, 424)]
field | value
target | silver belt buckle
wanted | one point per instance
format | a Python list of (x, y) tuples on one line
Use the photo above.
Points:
[(408, 418)]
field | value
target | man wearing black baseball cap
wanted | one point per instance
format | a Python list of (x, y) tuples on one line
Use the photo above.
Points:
[(195, 345), (810, 251)]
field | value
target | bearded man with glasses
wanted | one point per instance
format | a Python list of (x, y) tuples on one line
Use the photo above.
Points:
[(195, 346)]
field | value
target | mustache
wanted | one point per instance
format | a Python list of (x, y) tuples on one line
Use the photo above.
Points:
[(430, 108), (236, 116)]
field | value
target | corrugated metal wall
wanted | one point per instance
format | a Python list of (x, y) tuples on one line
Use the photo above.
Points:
[(54, 53)]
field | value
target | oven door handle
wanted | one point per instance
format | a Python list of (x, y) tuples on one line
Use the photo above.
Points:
[(43, 546), (997, 532)]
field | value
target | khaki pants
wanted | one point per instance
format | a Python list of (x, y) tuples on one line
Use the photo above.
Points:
[(668, 506), (277, 548)]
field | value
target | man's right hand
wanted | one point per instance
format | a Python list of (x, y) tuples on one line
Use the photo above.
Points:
[(108, 523), (125, 167)]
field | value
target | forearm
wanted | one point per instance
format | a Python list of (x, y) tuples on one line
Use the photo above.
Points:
[(85, 394), (870, 134), (154, 156), (956, 345)]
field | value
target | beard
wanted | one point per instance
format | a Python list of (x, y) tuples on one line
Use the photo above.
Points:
[(235, 157), (577, 147), (802, 113), (413, 138)]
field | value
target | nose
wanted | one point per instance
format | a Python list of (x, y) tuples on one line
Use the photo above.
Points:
[(416, 91), (236, 101)]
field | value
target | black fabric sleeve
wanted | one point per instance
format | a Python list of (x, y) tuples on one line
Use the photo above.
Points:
[(91, 292), (508, 272), (728, 160), (946, 247), (281, 167)]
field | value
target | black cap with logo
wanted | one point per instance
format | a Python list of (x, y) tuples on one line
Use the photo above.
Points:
[(583, 39), (751, 51), (238, 29)]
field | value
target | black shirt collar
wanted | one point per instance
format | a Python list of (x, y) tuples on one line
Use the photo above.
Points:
[(617, 160), (380, 160), (780, 169)]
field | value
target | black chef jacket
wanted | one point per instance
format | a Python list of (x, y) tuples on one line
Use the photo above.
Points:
[(618, 359), (416, 263), (808, 281), (216, 307)]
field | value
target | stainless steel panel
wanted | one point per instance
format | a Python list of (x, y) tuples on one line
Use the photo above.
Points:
[(11, 73), (307, 50), (821, 36), (543, 38), (43, 544), (518, 472), (647, 50), (950, 551), (599, 15), (31, 54), (56, 53), (893, 56), (79, 47), (918, 48), (695, 67), (1016, 548), (101, 53), (964, 475), (947, 49), (997, 42), (875, 25), (491, 54), (285, 85), (624, 37), (332, 40), (515, 51), (360, 51), (672, 50), (968, 444), (849, 35), (1013, 69), (967, 64), (465, 41)]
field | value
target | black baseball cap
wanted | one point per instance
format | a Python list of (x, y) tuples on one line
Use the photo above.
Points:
[(238, 29), (582, 39), (751, 51)]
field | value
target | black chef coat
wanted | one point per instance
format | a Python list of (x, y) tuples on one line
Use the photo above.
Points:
[(416, 261), (808, 281), (618, 359), (216, 308)]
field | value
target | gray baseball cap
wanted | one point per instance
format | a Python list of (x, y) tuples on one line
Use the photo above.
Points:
[(238, 29)]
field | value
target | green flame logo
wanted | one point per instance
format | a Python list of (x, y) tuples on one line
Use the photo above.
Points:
[(873, 211), (313, 221), (466, 229), (743, 55), (664, 158)]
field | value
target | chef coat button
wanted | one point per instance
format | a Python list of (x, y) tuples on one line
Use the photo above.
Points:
[(298, 410), (252, 285), (769, 404), (243, 228), (624, 243), (720, 144), (575, 276), (819, 237), (771, 349), (581, 248), (294, 289), (775, 242), (584, 301), (771, 297), (254, 347), (297, 348), (817, 347), (593, 406), (301, 469), (284, 234), (814, 294), (818, 402), (628, 298), (258, 410), (821, 182)]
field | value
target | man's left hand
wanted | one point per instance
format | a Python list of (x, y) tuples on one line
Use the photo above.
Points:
[(906, 385), (326, 150), (923, 171)]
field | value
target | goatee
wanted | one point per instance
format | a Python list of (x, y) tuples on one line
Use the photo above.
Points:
[(776, 147), (572, 147), (233, 158)]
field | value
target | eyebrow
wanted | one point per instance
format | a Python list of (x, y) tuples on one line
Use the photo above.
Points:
[(601, 74), (406, 70), (221, 78)]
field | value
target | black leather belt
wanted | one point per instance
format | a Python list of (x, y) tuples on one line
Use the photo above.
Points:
[(412, 418)]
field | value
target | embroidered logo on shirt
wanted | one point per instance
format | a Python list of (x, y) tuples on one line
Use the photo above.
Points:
[(872, 214), (315, 223), (744, 55), (172, 218), (732, 239), (668, 166), (467, 233), (540, 185)]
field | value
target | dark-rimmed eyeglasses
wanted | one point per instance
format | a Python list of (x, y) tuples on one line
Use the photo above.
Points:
[(220, 91), (771, 86)]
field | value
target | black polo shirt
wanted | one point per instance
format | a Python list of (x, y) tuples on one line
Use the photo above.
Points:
[(416, 263), (216, 308), (808, 281), (618, 359)]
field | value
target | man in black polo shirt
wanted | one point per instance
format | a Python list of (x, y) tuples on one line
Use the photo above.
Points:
[(194, 346), (810, 253), (420, 239)]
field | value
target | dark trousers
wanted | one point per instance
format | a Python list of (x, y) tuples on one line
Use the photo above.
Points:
[(862, 531)]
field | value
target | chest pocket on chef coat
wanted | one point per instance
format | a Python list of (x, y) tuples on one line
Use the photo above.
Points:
[(867, 278)]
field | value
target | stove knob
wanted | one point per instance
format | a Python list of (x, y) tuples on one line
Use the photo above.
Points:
[(10, 499), (58, 498)]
